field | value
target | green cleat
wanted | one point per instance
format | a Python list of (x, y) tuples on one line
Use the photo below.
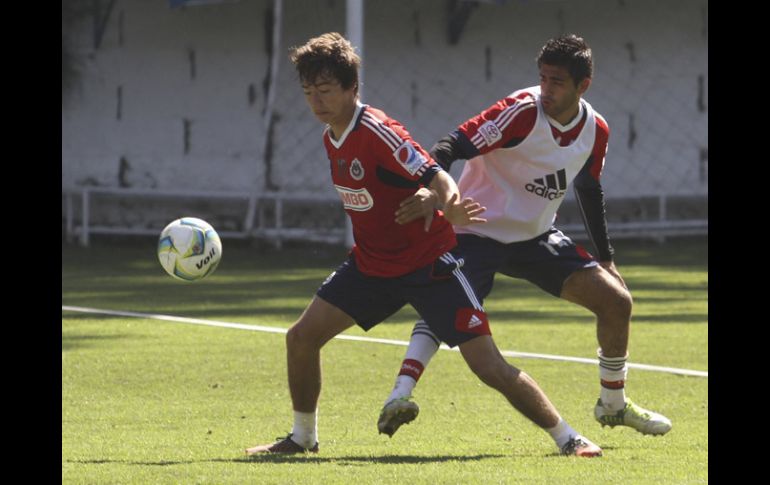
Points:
[(633, 416), (395, 413)]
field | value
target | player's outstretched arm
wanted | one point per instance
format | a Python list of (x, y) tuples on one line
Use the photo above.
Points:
[(422, 204), (460, 212)]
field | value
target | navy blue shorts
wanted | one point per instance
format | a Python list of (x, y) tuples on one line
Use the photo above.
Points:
[(439, 292), (546, 260)]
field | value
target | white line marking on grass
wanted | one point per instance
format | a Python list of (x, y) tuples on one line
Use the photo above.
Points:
[(260, 328)]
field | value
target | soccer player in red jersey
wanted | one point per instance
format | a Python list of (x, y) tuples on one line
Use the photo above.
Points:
[(522, 154), (374, 165)]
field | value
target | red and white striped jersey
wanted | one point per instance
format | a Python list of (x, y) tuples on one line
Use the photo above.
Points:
[(524, 163), (375, 165)]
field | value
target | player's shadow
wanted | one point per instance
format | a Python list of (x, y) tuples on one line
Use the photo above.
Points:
[(361, 460), (275, 458)]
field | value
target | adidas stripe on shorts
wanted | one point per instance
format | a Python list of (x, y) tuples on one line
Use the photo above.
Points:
[(439, 292), (546, 260)]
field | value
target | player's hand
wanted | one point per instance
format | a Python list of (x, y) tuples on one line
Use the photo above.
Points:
[(610, 267), (463, 212), (420, 205)]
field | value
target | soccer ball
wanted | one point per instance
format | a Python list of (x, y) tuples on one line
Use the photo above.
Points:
[(189, 249)]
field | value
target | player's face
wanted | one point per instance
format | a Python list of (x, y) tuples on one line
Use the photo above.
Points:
[(559, 94), (329, 102)]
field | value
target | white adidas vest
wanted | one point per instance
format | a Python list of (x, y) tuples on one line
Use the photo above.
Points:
[(522, 187)]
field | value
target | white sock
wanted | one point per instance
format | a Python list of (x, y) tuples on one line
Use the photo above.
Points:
[(403, 388), (305, 430), (612, 375), (562, 433), (422, 347)]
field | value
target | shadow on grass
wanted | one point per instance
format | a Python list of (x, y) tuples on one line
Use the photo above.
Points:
[(71, 342), (219, 314), (342, 460), (286, 315), (348, 460)]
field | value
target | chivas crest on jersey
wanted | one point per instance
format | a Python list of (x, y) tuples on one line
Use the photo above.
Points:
[(356, 170)]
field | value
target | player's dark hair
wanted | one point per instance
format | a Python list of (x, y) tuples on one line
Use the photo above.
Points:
[(328, 55), (570, 52)]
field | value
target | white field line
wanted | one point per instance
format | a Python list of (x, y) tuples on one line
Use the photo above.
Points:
[(260, 328)]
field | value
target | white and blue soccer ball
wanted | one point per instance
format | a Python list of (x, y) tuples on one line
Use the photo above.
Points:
[(189, 249)]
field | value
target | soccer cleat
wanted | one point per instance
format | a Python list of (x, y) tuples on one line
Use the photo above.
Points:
[(395, 413), (581, 446), (285, 445), (633, 416)]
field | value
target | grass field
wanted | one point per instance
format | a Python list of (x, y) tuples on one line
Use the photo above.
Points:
[(150, 401)]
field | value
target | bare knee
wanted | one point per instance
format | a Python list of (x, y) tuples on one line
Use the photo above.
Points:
[(601, 293), (493, 370), (617, 306), (612, 305), (627, 303), (293, 337), (300, 339)]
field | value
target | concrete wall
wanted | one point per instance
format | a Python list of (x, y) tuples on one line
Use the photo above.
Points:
[(173, 98)]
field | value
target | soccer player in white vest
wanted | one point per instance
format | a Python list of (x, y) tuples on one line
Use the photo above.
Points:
[(375, 164), (522, 153)]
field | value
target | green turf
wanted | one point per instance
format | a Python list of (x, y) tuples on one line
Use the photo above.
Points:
[(145, 401)]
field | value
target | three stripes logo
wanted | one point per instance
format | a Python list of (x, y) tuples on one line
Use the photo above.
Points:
[(474, 322), (552, 186)]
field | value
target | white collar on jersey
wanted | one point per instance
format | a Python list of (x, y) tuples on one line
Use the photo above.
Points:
[(338, 143), (571, 124)]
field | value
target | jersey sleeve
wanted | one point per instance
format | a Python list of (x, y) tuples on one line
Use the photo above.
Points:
[(590, 195), (398, 152), (448, 149), (504, 124)]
